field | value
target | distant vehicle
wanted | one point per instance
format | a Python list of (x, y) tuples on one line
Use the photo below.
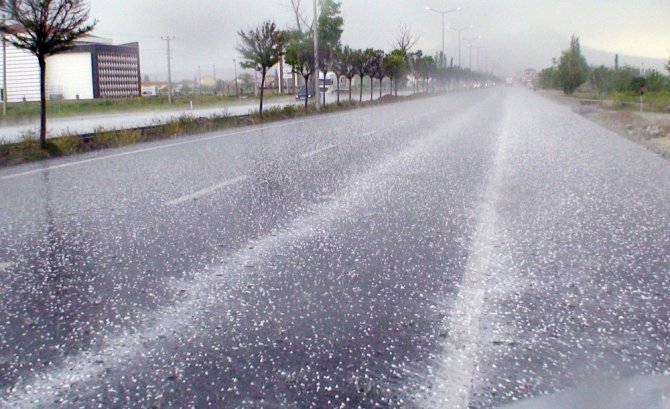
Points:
[(149, 91), (302, 93), (509, 81)]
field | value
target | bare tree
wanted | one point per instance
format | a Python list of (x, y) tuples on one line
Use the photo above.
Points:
[(405, 39), (44, 27), (300, 18)]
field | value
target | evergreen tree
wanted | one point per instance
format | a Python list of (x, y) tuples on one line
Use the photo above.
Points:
[(572, 68)]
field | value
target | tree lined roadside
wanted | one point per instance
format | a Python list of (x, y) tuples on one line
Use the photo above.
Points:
[(401, 66)]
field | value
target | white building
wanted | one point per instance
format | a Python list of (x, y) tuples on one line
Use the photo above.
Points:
[(93, 68)]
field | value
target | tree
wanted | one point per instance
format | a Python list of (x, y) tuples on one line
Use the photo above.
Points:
[(572, 68), (330, 32), (667, 66), (347, 61), (598, 78), (395, 67), (44, 28), (299, 15), (405, 39), (246, 82), (655, 81), (376, 70), (361, 62), (338, 67), (414, 62), (261, 49), (428, 68), (300, 55)]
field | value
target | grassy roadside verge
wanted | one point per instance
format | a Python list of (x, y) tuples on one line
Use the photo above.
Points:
[(26, 150), (652, 101)]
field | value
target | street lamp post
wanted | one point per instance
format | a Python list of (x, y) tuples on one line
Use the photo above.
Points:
[(460, 31), (469, 41), (443, 12), (4, 69), (317, 88)]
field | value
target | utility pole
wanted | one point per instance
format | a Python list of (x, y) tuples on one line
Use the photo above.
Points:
[(317, 89), (4, 71), (281, 74), (199, 81), (169, 57), (237, 92)]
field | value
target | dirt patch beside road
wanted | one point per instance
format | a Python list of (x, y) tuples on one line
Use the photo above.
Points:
[(650, 129)]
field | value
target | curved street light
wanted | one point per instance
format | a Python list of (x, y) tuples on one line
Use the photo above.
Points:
[(443, 12)]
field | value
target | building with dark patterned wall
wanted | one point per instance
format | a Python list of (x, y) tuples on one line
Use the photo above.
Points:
[(93, 69), (116, 70)]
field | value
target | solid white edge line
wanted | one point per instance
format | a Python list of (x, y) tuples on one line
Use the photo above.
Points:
[(203, 192), (317, 151)]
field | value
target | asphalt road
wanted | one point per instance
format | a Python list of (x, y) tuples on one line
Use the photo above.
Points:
[(462, 251)]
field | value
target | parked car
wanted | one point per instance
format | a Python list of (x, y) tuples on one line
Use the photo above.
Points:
[(301, 94)]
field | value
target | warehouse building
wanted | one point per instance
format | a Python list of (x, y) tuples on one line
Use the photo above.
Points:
[(94, 68)]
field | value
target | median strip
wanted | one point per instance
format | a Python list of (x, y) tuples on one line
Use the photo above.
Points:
[(317, 151), (206, 191)]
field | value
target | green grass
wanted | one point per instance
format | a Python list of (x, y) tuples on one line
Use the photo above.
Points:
[(653, 101), (99, 106)]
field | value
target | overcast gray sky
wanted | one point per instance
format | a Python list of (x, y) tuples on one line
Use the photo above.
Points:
[(516, 34)]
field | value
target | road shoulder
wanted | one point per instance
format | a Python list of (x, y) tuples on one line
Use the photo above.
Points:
[(649, 129)]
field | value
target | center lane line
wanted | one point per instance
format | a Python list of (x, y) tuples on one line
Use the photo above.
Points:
[(206, 191), (317, 151)]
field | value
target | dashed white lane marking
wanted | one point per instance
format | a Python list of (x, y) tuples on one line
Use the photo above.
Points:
[(206, 191), (5, 265), (153, 148), (317, 151), (370, 133), (204, 291)]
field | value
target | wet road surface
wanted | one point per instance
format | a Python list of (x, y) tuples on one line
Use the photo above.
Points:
[(460, 251)]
